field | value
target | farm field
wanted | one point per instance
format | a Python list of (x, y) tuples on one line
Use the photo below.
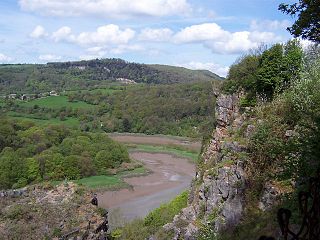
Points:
[(70, 122), (56, 102)]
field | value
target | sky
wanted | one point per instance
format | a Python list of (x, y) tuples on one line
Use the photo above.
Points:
[(197, 34)]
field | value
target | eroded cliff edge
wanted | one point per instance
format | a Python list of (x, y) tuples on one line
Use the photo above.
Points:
[(217, 192)]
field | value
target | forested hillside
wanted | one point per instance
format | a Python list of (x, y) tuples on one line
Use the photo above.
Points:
[(38, 78), (176, 109), (30, 153), (183, 110)]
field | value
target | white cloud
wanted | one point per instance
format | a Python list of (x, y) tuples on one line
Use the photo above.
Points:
[(157, 35), (201, 32), (126, 48), (4, 58), (107, 8), (49, 57), (63, 33), (38, 32), (213, 67), (212, 36), (99, 52), (270, 25), (90, 57), (108, 34)]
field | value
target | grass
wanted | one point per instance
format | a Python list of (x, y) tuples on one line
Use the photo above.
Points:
[(140, 171), (102, 181), (56, 102), (165, 149), (71, 122), (107, 182)]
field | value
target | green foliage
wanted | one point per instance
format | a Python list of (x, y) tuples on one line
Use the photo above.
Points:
[(55, 102), (282, 158), (265, 71), (181, 110), (270, 69), (102, 181), (279, 66), (31, 153), (38, 78), (243, 73), (307, 24), (166, 212)]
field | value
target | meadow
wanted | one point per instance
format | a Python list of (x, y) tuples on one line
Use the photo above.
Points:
[(56, 102)]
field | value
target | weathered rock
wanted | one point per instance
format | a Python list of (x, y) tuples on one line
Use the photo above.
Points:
[(221, 191), (250, 130), (269, 196), (13, 193), (234, 146)]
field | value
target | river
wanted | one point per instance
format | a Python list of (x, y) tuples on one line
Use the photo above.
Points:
[(170, 175)]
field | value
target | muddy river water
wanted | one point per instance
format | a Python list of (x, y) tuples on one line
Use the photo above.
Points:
[(170, 176)]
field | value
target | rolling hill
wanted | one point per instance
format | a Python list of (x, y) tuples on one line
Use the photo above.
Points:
[(36, 78)]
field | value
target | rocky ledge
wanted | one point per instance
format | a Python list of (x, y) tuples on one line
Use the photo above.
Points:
[(216, 197)]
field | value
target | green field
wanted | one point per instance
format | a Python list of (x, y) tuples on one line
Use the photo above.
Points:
[(71, 122), (56, 102), (103, 181), (111, 182), (179, 152)]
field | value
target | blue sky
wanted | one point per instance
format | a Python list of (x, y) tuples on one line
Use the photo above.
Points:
[(198, 34)]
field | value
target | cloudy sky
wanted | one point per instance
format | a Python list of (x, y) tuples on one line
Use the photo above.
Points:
[(198, 34)]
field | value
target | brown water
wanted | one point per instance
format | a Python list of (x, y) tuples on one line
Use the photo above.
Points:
[(170, 176), (156, 140)]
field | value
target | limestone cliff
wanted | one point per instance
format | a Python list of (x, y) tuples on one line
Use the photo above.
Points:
[(216, 197)]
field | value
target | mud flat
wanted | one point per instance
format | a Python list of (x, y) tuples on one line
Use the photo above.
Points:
[(186, 143), (170, 176)]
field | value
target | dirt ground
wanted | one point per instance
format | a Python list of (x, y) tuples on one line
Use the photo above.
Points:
[(157, 140), (170, 176)]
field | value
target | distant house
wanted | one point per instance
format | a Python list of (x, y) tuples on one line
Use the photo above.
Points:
[(81, 67), (53, 93), (126, 81), (12, 96)]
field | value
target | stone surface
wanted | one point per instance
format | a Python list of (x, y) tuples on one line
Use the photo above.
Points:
[(270, 196), (250, 130), (221, 191)]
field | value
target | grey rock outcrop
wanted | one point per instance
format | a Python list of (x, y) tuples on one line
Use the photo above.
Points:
[(219, 200), (270, 196), (13, 193)]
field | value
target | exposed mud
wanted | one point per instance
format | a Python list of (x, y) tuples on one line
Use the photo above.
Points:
[(157, 140), (170, 176)]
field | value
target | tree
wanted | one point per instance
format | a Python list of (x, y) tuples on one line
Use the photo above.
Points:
[(307, 25), (269, 73)]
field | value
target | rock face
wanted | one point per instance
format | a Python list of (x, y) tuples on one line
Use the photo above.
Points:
[(49, 212), (270, 196), (217, 191)]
